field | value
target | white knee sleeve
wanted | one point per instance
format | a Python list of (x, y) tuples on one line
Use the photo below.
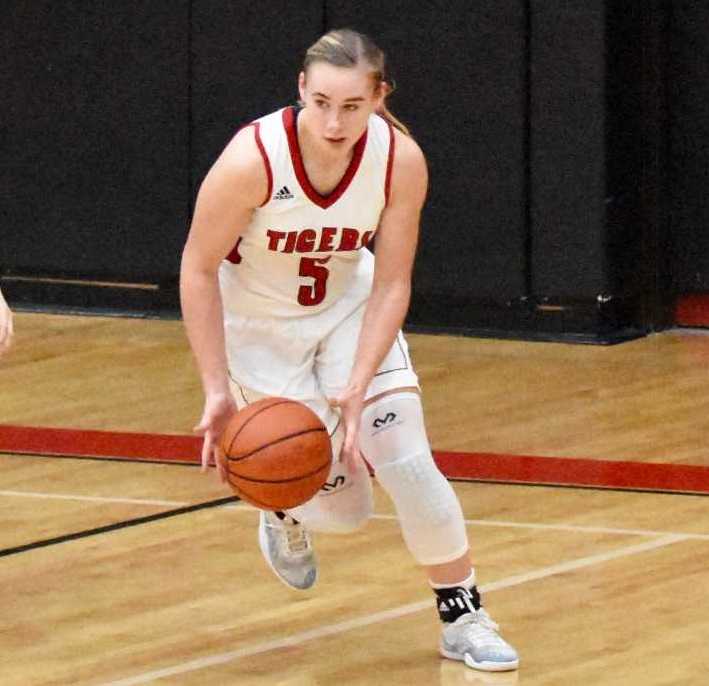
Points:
[(393, 439), (344, 503)]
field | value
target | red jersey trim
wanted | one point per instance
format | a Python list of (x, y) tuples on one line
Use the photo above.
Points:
[(324, 201), (266, 162), (234, 257), (390, 163)]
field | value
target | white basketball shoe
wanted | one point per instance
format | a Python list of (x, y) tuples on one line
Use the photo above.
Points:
[(288, 550), (474, 639)]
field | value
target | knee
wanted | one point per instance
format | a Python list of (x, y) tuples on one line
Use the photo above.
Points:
[(394, 440), (419, 490), (344, 523), (337, 520), (344, 503)]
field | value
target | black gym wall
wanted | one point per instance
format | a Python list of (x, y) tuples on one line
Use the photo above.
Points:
[(544, 125), (688, 87)]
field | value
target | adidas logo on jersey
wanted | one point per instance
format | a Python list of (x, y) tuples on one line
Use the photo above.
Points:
[(283, 194)]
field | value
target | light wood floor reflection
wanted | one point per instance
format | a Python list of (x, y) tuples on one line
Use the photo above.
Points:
[(593, 587)]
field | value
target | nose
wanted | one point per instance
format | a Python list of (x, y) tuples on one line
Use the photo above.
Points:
[(333, 123)]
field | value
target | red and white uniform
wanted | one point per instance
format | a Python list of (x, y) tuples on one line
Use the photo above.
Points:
[(295, 286), (302, 251)]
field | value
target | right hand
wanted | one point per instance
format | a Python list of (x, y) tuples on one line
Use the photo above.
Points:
[(6, 329), (218, 410), (350, 404)]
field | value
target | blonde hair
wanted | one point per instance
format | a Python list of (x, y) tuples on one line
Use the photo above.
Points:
[(349, 48)]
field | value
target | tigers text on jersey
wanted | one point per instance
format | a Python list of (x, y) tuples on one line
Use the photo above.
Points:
[(302, 251)]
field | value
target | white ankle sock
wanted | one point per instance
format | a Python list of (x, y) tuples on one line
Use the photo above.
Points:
[(467, 583)]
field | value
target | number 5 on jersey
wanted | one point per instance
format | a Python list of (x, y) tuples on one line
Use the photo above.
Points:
[(315, 293)]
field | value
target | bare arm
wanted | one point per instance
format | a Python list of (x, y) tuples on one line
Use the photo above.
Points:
[(234, 186), (397, 237)]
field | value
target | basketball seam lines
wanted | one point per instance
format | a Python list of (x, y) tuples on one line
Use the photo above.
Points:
[(280, 481), (255, 414), (268, 445)]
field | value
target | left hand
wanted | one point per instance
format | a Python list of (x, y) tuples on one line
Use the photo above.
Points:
[(350, 404)]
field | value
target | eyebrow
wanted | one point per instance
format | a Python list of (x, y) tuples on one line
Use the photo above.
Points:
[(327, 97)]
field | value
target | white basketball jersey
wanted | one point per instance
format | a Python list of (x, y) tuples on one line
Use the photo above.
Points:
[(302, 251)]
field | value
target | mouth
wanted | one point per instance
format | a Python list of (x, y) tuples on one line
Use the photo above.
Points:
[(335, 140)]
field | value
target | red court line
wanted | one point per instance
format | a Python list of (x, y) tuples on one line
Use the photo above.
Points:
[(563, 471), (109, 444), (692, 310), (573, 471)]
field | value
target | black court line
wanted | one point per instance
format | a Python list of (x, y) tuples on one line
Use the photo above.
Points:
[(118, 525)]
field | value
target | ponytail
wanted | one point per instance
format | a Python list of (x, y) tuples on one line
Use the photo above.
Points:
[(391, 118), (394, 121)]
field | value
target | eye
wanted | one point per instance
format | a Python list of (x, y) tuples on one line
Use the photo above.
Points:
[(322, 104), (351, 108)]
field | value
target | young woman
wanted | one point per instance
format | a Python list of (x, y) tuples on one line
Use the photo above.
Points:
[(280, 297), (5, 325)]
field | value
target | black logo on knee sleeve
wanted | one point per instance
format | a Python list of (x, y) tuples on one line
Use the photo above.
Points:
[(387, 419), (338, 481)]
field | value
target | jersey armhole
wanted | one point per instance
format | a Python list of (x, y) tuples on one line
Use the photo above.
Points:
[(264, 155), (390, 164)]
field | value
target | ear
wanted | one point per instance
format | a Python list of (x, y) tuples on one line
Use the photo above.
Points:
[(301, 85), (380, 95)]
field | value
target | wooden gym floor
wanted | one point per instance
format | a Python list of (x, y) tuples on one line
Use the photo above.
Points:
[(134, 568)]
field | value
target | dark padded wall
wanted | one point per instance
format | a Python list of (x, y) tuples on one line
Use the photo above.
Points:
[(543, 125), (567, 148), (245, 63), (636, 155), (94, 175), (460, 70), (689, 96)]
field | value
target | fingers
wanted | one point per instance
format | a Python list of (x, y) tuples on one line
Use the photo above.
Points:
[(200, 428), (207, 450), (220, 461), (350, 453)]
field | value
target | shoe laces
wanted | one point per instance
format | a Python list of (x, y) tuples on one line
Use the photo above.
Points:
[(294, 538), (479, 627)]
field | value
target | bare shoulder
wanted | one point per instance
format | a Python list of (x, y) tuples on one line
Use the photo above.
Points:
[(241, 167), (409, 173), (242, 150), (408, 150)]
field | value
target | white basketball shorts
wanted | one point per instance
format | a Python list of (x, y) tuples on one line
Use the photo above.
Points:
[(308, 358)]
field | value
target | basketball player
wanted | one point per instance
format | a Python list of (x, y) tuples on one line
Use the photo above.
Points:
[(281, 298), (5, 325)]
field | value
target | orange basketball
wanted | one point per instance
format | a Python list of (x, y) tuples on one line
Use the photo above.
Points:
[(277, 453)]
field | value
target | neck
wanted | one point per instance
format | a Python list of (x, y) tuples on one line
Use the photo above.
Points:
[(316, 150)]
